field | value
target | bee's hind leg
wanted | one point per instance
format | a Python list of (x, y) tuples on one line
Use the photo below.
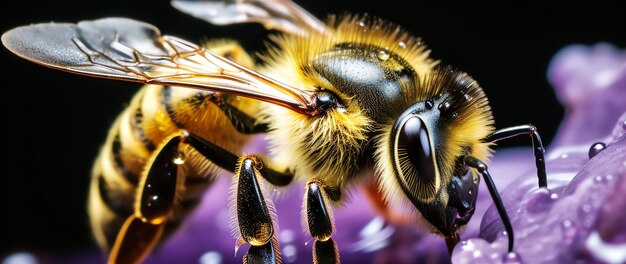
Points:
[(154, 203), (320, 221)]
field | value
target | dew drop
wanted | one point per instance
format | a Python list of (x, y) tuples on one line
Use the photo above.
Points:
[(383, 55), (598, 178), (361, 24), (211, 257), (512, 258), (596, 148), (402, 44), (568, 230), (287, 236), (468, 97), (179, 159), (494, 256), (20, 258), (290, 253), (586, 208), (554, 196), (624, 125)]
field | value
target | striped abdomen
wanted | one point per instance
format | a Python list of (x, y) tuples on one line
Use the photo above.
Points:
[(155, 114)]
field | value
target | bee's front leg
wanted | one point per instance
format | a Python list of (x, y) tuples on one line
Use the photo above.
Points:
[(319, 217), (255, 211)]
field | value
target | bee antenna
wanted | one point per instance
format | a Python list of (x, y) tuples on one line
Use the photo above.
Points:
[(481, 167)]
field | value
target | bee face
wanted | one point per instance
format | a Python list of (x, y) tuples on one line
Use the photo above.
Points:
[(420, 156)]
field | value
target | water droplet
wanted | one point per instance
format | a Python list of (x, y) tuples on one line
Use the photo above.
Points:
[(402, 44), (287, 236), (494, 256), (624, 125), (586, 208), (468, 97), (20, 258), (598, 178), (179, 159), (383, 55), (469, 192), (554, 196), (512, 258), (211, 257), (361, 24), (568, 230), (290, 253), (596, 148)]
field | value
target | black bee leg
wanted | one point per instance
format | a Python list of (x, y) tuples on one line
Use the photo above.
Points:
[(153, 205), (255, 211), (244, 123), (481, 167), (319, 217), (228, 161), (538, 149)]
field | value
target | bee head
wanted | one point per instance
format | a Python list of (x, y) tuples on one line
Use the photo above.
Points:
[(420, 158)]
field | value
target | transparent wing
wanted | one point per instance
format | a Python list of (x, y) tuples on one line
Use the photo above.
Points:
[(282, 15), (129, 50)]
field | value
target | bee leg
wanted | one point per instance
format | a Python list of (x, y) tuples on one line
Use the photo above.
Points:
[(244, 123), (481, 167), (255, 211), (319, 217), (538, 149), (153, 205), (228, 161)]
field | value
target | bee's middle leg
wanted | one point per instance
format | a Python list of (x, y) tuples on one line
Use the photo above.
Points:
[(317, 210)]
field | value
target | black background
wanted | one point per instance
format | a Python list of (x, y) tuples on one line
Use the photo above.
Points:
[(54, 122)]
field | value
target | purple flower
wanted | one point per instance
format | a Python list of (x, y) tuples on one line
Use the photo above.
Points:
[(580, 217)]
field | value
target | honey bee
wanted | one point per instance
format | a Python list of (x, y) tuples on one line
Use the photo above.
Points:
[(335, 100)]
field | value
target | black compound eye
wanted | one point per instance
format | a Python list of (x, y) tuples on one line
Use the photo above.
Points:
[(415, 159)]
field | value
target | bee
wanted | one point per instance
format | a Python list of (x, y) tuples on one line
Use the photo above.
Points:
[(336, 100)]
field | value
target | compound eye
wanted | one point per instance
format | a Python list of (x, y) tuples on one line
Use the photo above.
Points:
[(415, 159)]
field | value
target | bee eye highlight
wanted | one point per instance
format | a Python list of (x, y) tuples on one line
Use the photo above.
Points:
[(414, 155)]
